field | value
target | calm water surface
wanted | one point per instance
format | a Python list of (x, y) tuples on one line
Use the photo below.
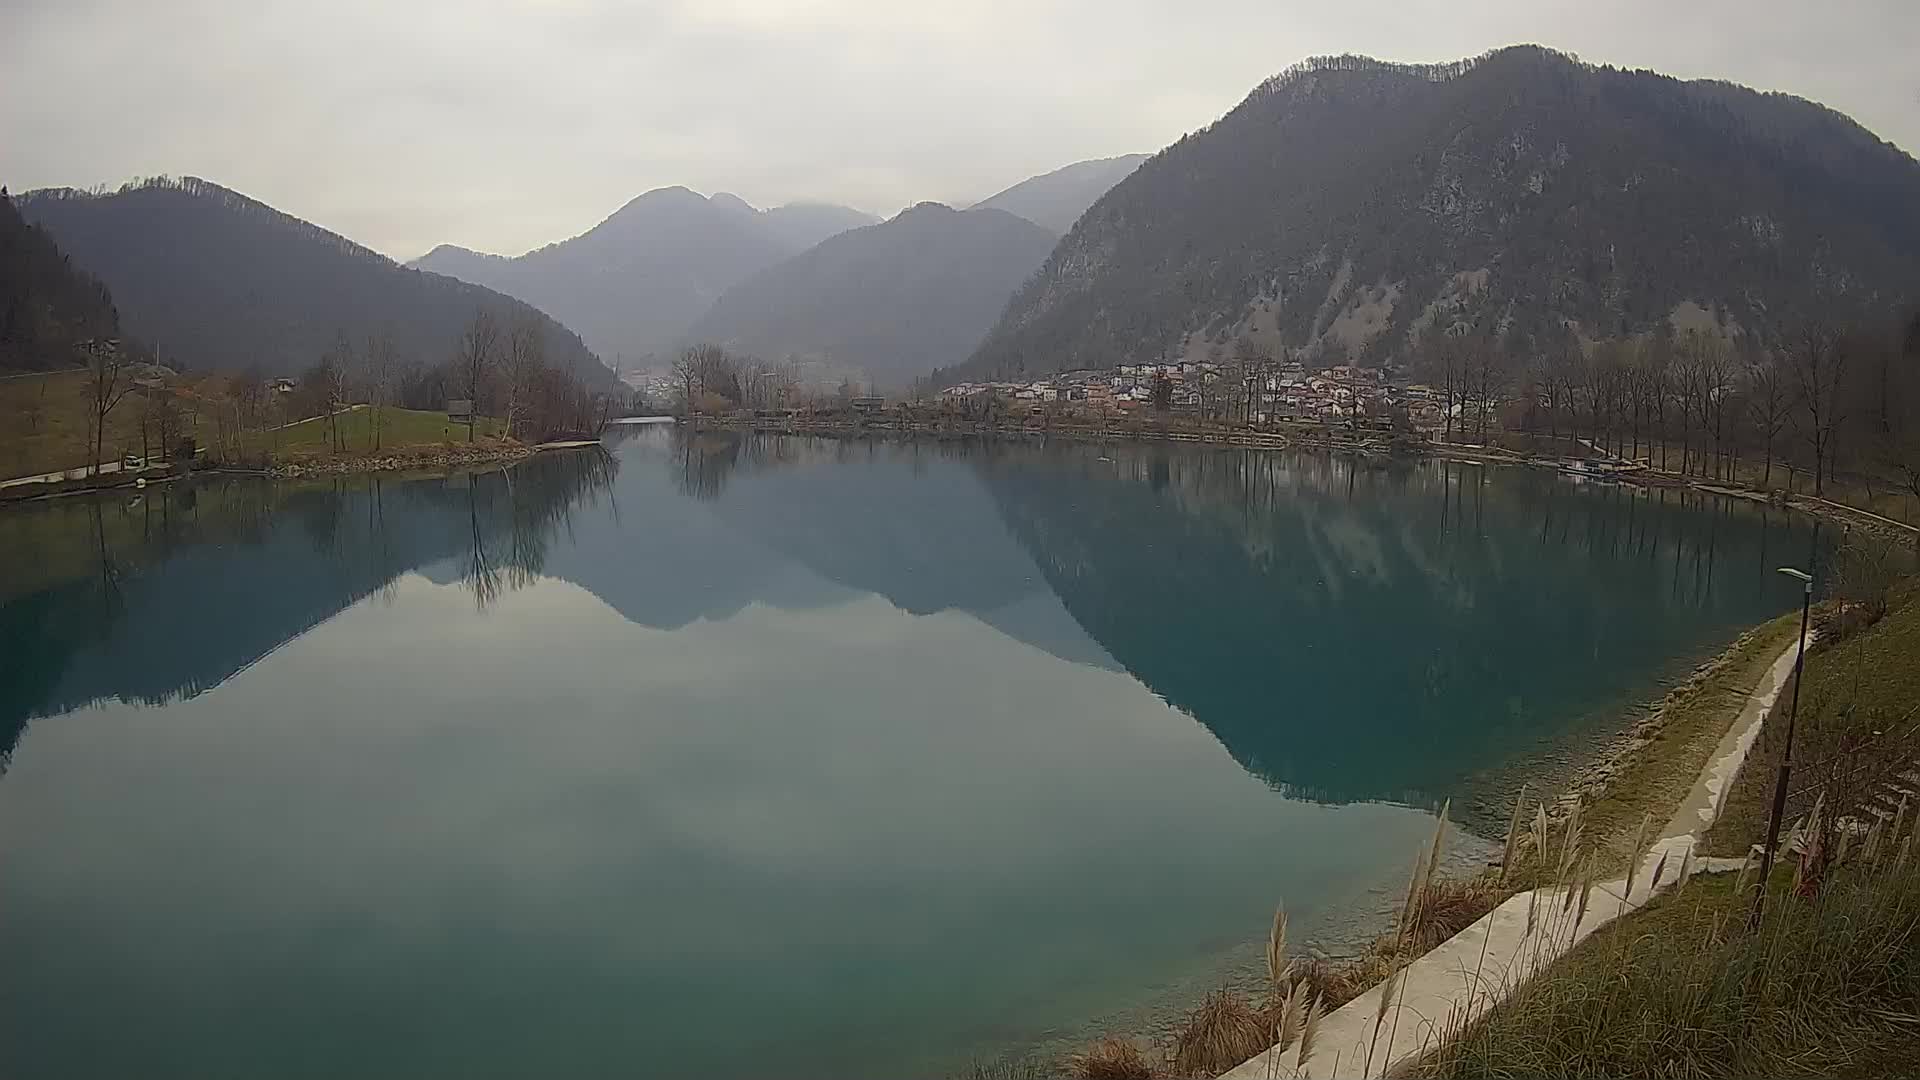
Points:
[(871, 757)]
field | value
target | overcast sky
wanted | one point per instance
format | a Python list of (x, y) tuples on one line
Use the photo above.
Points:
[(505, 124)]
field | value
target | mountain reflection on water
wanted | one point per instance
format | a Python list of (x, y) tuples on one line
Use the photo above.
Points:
[(1347, 631)]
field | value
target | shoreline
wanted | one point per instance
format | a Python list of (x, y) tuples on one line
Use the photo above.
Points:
[(398, 461), (437, 459), (1609, 774), (1446, 981), (1375, 444)]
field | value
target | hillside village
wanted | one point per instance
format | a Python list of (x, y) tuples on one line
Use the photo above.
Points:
[(1254, 393)]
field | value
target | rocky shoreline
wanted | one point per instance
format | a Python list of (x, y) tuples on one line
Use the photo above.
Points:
[(1592, 781), (1589, 774), (435, 459)]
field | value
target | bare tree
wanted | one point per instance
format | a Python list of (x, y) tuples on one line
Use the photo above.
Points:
[(146, 419), (713, 379), (1486, 372), (335, 369), (687, 369), (107, 383), (1544, 389), (379, 366), (474, 361), (1713, 367), (34, 408), (1768, 403), (526, 354), (1819, 361), (1657, 377), (166, 422), (249, 390)]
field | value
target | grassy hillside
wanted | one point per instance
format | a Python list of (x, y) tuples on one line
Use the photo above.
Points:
[(43, 426)]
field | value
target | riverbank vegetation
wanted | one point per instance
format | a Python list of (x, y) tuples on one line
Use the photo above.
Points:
[(1825, 984), (1597, 830), (1665, 753), (495, 392), (1825, 987), (1857, 740)]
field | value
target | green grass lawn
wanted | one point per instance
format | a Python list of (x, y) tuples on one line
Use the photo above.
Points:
[(1826, 987), (398, 429), (1866, 683), (43, 424), (43, 428)]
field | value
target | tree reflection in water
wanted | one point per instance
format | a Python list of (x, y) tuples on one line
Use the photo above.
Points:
[(170, 592)]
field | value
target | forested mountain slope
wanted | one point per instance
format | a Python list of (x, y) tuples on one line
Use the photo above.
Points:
[(47, 305), (1348, 203), (1056, 200), (891, 301), (222, 282), (632, 284)]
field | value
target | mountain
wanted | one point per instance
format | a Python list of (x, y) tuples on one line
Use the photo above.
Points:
[(892, 300), (633, 283), (47, 305), (1056, 200), (1347, 203), (802, 225), (222, 282)]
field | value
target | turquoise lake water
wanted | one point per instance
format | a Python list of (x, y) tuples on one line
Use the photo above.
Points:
[(741, 756)]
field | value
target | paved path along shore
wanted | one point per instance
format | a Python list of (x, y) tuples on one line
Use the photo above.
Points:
[(1485, 963)]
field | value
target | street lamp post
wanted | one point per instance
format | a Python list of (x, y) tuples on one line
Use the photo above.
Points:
[(1786, 753)]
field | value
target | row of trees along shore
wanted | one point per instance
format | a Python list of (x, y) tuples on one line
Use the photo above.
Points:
[(501, 369), (709, 379), (1821, 396)]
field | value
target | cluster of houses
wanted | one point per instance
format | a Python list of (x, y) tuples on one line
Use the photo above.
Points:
[(1259, 393)]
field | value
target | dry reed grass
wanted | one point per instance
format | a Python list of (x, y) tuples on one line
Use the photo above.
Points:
[(1224, 1031), (1112, 1058), (1015, 1069), (1826, 987)]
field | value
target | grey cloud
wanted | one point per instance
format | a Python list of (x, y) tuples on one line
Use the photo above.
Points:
[(504, 124)]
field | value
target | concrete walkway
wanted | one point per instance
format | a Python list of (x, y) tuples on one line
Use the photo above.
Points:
[(1482, 965), (80, 473)]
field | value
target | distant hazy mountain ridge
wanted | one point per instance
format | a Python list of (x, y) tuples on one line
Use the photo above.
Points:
[(1056, 200), (892, 301), (223, 281), (1347, 204), (635, 282)]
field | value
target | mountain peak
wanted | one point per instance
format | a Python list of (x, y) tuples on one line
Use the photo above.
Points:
[(633, 282), (1055, 200), (455, 251), (267, 288), (888, 302), (1348, 205)]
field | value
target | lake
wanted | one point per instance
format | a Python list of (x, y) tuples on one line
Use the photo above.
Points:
[(741, 756)]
